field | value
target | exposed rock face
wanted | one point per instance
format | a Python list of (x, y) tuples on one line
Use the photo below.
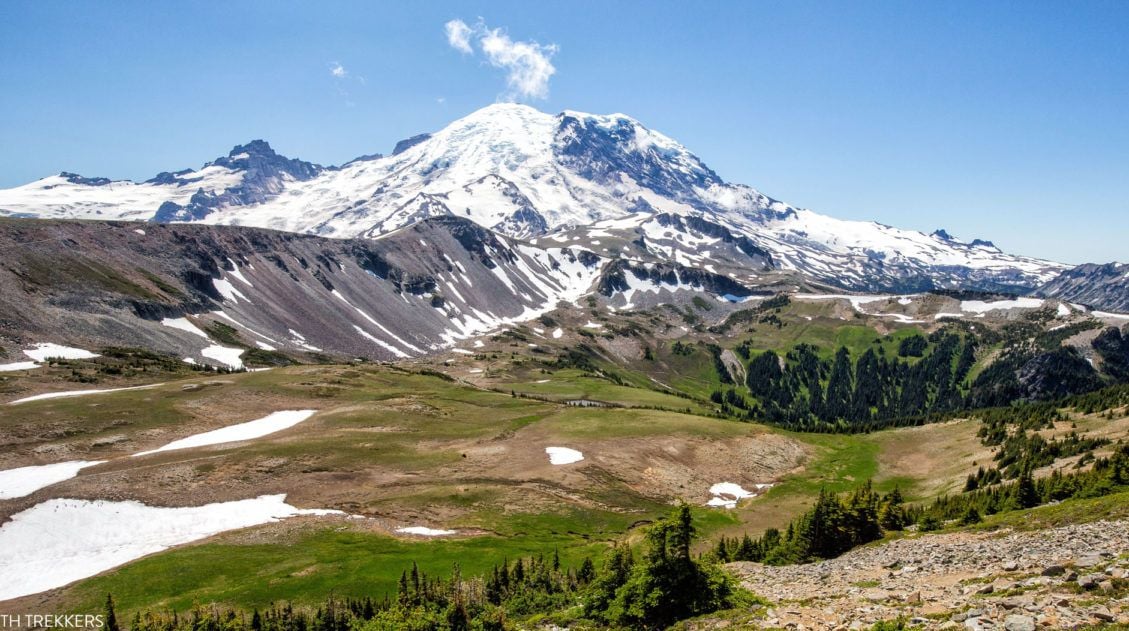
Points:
[(264, 176), (1020, 581), (410, 293), (1100, 286)]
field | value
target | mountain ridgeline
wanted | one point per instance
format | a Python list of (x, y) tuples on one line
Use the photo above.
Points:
[(606, 182)]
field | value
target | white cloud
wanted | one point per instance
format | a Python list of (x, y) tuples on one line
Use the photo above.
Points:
[(337, 70), (528, 65), (458, 36)]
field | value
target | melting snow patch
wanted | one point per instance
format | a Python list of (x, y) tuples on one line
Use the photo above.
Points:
[(478, 344), (462, 351), (726, 495), (424, 531), (44, 351), (227, 290), (1063, 311), (979, 306), (1106, 314), (184, 325), (557, 333), (238, 274), (79, 393), (18, 366), (27, 480), (563, 455), (593, 325), (269, 424), (63, 540), (224, 355), (139, 231)]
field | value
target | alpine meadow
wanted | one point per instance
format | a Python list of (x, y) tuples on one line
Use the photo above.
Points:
[(533, 368)]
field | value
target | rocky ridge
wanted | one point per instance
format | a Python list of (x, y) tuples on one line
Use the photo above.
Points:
[(1069, 577)]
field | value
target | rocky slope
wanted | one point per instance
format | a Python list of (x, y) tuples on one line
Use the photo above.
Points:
[(1100, 286), (182, 288), (1062, 578), (524, 173)]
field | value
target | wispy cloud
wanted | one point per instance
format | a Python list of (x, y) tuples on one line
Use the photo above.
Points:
[(458, 36), (337, 70), (528, 65)]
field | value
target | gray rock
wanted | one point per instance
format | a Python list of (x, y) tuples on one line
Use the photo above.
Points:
[(1089, 581), (1054, 570), (1089, 560), (1019, 623)]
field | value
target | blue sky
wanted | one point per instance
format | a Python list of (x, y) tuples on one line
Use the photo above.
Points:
[(1001, 120)]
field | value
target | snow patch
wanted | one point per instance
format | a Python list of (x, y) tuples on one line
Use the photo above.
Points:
[(63, 540), (18, 366), (79, 393), (269, 424), (979, 306), (727, 494), (27, 480), (563, 455), (46, 350), (224, 355), (228, 291), (423, 531), (185, 325)]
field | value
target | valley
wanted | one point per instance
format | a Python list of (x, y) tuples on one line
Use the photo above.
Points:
[(522, 371), (455, 444)]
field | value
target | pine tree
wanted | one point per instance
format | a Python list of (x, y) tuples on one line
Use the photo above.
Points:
[(110, 622), (1026, 495)]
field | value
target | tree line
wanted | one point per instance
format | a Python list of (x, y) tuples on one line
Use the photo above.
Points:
[(653, 589)]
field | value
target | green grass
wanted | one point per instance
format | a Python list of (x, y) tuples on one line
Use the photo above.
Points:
[(306, 569), (843, 461), (1110, 507), (571, 384)]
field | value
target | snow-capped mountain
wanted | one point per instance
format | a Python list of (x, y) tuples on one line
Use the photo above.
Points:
[(572, 176)]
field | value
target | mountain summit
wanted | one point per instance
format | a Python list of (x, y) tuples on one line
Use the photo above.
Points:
[(532, 175)]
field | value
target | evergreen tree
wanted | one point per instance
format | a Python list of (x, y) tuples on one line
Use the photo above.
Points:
[(110, 622), (1026, 495)]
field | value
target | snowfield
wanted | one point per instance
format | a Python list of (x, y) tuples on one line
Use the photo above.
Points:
[(46, 350), (63, 540), (27, 480), (269, 424)]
